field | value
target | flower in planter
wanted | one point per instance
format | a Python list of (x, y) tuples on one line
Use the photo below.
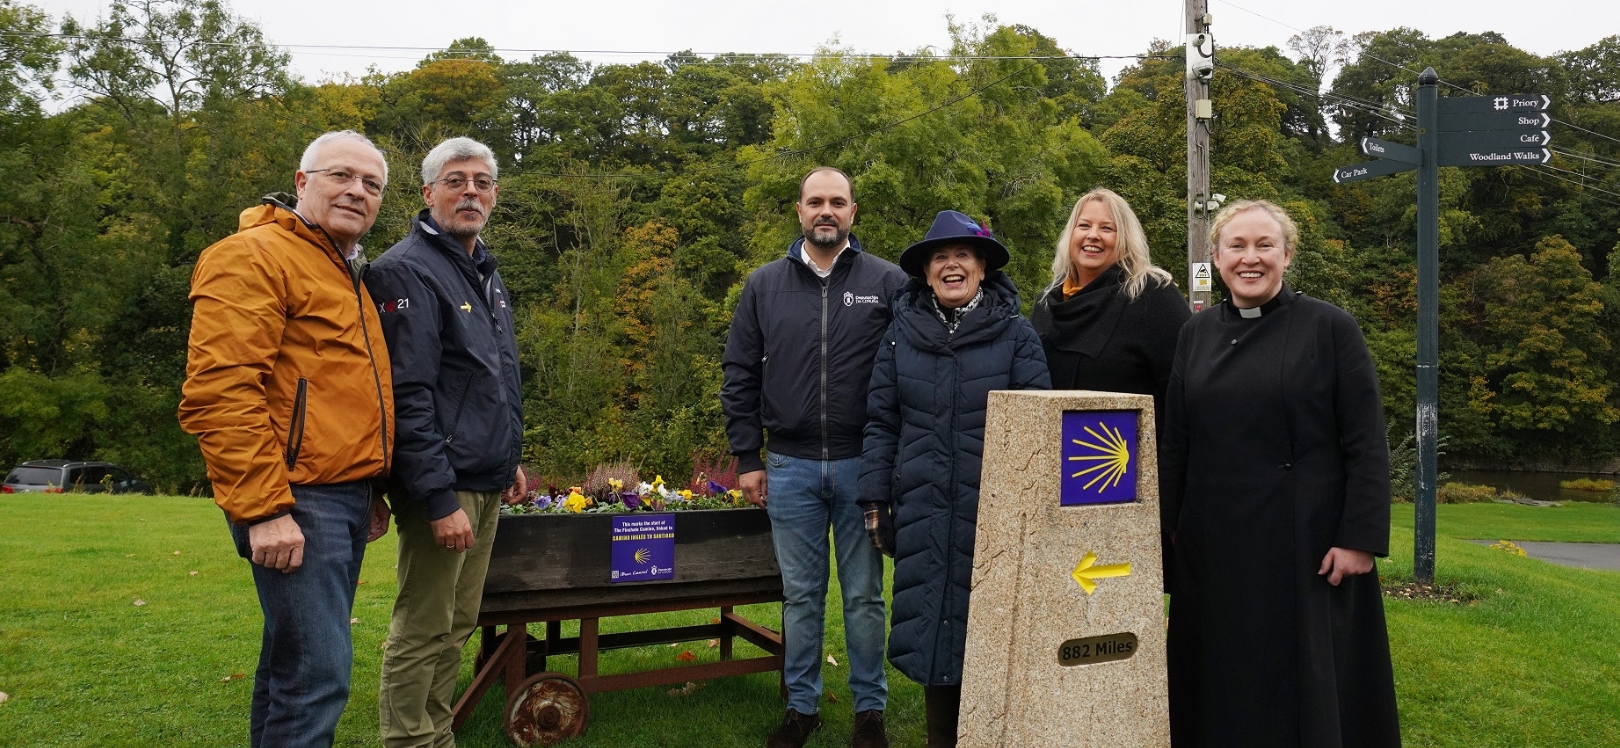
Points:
[(631, 500), (736, 496), (615, 484), (658, 486), (685, 494), (576, 502), (715, 489), (542, 502)]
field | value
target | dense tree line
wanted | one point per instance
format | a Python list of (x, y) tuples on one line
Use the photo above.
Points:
[(636, 197)]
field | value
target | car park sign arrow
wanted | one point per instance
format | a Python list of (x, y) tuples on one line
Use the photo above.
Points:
[(1370, 169)]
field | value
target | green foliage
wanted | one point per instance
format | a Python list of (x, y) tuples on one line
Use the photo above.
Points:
[(635, 198)]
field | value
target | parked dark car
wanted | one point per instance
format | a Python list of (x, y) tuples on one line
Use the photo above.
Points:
[(64, 476)]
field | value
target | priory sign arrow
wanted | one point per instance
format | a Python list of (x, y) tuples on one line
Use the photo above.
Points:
[(1087, 573)]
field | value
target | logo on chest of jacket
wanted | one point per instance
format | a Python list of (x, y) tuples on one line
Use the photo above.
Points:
[(850, 299), (394, 305)]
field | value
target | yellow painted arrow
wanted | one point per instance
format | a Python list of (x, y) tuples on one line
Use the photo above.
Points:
[(465, 307), (1086, 574)]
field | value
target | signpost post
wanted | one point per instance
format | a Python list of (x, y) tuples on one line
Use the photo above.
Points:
[(1457, 131)]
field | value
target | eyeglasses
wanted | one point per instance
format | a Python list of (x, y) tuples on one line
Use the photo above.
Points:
[(482, 184), (344, 178)]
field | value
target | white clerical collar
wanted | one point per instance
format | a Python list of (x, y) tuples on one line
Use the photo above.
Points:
[(1250, 313)]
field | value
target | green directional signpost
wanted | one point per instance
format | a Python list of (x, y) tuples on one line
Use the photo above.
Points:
[(1453, 131)]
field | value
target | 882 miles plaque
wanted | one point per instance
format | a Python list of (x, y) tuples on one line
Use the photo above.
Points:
[(1094, 649)]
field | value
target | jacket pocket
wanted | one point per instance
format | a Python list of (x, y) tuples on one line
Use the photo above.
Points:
[(455, 412), (295, 426)]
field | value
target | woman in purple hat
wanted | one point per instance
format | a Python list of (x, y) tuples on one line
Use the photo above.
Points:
[(956, 336)]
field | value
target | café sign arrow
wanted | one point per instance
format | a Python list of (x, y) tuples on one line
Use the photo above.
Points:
[(1370, 169), (1384, 149)]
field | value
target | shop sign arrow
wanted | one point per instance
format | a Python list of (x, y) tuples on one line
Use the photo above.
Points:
[(1395, 151), (1369, 169), (1495, 121)]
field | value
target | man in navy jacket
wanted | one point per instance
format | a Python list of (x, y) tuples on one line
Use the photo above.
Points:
[(459, 421), (797, 363)]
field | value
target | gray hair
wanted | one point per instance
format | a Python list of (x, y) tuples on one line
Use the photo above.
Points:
[(456, 149), (313, 151)]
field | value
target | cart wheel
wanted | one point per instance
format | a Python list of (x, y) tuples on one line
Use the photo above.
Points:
[(547, 709)]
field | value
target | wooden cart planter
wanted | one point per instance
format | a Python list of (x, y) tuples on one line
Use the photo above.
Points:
[(549, 568)]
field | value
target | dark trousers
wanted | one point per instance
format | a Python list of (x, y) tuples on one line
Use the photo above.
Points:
[(302, 682)]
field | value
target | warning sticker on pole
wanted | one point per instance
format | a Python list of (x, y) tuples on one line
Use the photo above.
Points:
[(1200, 276)]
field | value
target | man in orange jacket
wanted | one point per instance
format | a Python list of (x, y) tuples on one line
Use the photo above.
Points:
[(289, 392)]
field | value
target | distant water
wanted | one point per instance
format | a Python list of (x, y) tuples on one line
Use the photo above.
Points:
[(1543, 486)]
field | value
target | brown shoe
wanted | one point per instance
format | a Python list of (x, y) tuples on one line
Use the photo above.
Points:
[(794, 730), (869, 730)]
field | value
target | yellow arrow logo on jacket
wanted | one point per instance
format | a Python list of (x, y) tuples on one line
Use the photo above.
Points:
[(1087, 573), (465, 307)]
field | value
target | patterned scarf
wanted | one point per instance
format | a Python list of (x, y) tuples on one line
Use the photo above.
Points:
[(953, 317)]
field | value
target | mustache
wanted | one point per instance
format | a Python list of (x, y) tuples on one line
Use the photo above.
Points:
[(825, 222), (470, 204)]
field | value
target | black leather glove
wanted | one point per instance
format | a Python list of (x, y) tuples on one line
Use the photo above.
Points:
[(880, 527)]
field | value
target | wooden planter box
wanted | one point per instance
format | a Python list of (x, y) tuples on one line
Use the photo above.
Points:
[(558, 561)]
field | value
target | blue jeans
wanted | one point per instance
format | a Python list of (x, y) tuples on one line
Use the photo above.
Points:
[(302, 682), (804, 498)]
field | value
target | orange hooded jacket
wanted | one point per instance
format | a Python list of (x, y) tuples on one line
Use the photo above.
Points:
[(287, 375)]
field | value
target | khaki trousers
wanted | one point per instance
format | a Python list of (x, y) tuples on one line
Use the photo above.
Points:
[(435, 613)]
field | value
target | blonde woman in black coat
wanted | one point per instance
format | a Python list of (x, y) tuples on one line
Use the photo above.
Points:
[(1109, 319)]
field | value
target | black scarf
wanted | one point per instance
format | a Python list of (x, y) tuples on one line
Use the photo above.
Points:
[(1084, 322)]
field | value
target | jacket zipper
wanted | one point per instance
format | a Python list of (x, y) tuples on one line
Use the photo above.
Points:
[(825, 284), (295, 427), (461, 405), (365, 334)]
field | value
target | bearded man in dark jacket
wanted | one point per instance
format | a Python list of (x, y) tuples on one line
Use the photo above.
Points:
[(797, 362)]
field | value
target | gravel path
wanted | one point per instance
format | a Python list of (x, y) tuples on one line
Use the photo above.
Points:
[(1581, 555)]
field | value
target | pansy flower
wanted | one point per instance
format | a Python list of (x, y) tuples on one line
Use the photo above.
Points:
[(542, 502), (576, 502), (631, 500), (715, 489)]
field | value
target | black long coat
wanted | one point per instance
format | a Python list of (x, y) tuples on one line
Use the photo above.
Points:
[(1275, 452), (923, 450)]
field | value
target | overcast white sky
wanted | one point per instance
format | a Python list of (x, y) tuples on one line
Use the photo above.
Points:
[(655, 28)]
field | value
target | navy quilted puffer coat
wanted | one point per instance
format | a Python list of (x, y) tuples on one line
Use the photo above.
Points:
[(922, 452)]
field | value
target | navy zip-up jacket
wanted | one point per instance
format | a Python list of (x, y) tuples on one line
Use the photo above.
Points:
[(458, 405), (799, 355)]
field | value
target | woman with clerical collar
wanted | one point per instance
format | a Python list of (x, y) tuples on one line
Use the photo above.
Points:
[(956, 336), (1109, 319), (1276, 497)]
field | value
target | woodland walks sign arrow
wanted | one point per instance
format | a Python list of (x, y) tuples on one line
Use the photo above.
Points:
[(1501, 130)]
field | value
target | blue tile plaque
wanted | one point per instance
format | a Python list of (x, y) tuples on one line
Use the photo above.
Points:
[(1099, 457), (643, 547)]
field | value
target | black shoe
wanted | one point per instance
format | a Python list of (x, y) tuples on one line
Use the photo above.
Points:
[(794, 730), (869, 730)]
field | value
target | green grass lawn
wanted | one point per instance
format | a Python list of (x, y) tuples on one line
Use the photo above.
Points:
[(1532, 661)]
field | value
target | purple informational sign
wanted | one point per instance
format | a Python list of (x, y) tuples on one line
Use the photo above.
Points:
[(643, 547), (1099, 457)]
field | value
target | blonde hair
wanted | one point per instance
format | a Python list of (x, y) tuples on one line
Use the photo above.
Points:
[(1289, 229), (1130, 241)]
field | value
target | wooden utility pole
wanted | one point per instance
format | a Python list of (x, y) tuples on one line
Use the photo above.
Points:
[(1200, 203)]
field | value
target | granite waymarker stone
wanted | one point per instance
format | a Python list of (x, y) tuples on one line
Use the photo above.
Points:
[(1066, 641)]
